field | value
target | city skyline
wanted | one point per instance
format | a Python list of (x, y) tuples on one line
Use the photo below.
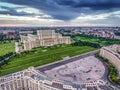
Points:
[(60, 12)]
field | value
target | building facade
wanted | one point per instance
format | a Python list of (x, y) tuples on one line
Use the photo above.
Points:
[(31, 79), (44, 38), (111, 53)]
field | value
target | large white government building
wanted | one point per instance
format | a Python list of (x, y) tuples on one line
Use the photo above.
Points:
[(31, 79), (44, 38), (111, 53)]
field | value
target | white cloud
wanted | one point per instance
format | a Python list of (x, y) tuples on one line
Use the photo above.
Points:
[(28, 10), (9, 5), (93, 17), (2, 9), (33, 12), (30, 20), (23, 10)]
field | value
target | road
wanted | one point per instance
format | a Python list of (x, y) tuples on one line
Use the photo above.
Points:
[(62, 62)]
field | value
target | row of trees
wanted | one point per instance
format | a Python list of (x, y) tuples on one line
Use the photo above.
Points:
[(92, 36), (117, 33), (84, 43), (5, 59), (113, 74), (4, 39), (107, 41)]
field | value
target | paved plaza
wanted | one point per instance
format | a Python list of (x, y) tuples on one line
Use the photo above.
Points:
[(83, 70)]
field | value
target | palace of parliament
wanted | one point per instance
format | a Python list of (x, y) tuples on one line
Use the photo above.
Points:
[(43, 38)]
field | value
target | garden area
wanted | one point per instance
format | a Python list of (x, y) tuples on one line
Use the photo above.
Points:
[(93, 39), (41, 56)]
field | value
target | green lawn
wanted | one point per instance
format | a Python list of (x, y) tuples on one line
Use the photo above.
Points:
[(42, 56), (5, 48), (97, 40), (93, 40)]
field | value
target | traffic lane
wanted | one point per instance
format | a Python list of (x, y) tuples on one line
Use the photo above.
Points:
[(49, 67)]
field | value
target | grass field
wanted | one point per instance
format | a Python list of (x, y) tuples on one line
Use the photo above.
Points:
[(42, 56), (5, 48), (101, 41)]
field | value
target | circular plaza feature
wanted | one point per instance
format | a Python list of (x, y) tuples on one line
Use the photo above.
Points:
[(86, 69)]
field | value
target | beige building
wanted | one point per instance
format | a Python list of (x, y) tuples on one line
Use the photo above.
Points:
[(44, 38), (111, 53), (18, 47), (31, 79)]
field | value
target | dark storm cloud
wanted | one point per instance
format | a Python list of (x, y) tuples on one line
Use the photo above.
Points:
[(69, 9), (93, 4), (12, 11)]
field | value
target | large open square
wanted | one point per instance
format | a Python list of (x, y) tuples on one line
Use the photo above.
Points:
[(83, 70)]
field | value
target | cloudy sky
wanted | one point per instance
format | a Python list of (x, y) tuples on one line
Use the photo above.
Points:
[(60, 12)]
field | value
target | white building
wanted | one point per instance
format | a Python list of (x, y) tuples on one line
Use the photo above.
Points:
[(44, 38), (32, 79), (111, 53)]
